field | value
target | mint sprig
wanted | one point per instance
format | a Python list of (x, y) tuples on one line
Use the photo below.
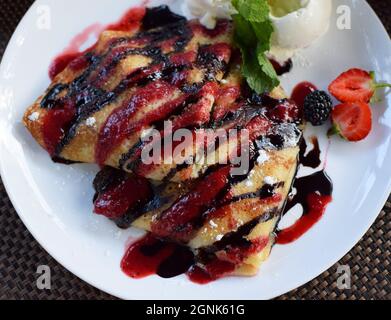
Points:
[(253, 32)]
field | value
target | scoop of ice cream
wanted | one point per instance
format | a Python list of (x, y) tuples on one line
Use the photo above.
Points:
[(298, 25), (208, 11)]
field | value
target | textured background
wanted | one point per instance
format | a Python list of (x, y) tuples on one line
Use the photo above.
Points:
[(20, 254)]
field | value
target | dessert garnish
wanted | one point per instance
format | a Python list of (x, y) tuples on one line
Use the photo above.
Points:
[(317, 107), (352, 121), (253, 32), (356, 85), (355, 88), (297, 24), (155, 66)]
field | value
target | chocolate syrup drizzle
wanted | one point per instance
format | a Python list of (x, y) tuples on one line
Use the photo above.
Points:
[(312, 159), (282, 68), (88, 98), (158, 25), (110, 177), (318, 184)]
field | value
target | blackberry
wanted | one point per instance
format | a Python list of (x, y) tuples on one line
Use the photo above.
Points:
[(317, 107)]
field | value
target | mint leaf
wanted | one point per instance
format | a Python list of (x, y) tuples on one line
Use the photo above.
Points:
[(254, 74), (245, 36), (259, 76), (253, 32), (252, 10), (269, 73), (263, 31)]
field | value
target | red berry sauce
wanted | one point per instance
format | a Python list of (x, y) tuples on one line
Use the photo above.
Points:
[(314, 193), (56, 123), (144, 257), (316, 206), (187, 210), (130, 21), (150, 255), (120, 124), (128, 194), (301, 91)]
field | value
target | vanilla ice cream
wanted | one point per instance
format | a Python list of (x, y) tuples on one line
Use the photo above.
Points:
[(297, 23), (307, 21)]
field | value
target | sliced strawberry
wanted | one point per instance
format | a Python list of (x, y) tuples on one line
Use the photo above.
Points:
[(355, 85), (352, 121)]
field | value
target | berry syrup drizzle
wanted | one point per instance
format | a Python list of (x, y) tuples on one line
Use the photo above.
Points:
[(72, 56), (85, 96), (313, 192), (301, 91), (153, 256), (121, 194)]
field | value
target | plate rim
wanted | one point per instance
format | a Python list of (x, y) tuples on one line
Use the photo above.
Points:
[(310, 276)]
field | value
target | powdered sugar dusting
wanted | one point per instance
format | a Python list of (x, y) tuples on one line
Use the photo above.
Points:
[(263, 157), (270, 180), (90, 122), (219, 237), (213, 224), (34, 116), (288, 133)]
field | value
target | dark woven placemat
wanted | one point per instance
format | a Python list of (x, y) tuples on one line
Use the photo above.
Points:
[(20, 254)]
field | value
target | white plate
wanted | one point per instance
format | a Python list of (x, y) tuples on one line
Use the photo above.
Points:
[(54, 201)]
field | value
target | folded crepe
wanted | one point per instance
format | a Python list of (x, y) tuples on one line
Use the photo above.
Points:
[(99, 108), (102, 105), (219, 216)]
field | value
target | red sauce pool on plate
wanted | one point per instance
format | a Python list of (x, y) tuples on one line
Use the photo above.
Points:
[(152, 256), (314, 193), (144, 257), (73, 51), (130, 21), (301, 91), (316, 208)]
